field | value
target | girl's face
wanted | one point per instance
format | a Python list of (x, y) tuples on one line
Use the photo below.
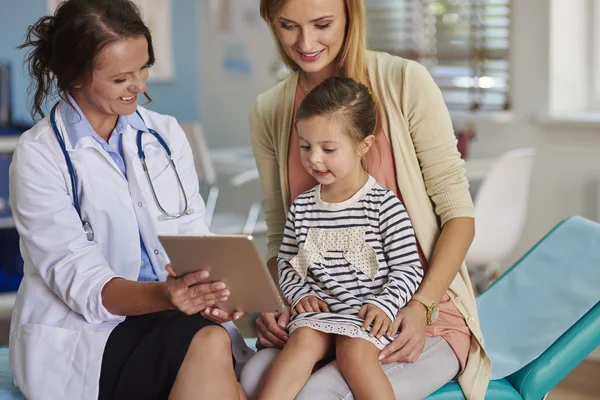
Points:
[(312, 32), (117, 80), (329, 154)]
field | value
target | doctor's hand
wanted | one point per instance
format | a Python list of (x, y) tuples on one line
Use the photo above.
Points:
[(270, 329), (219, 316), (190, 294)]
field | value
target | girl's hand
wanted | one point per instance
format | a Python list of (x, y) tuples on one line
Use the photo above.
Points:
[(270, 329), (372, 314), (407, 347), (310, 304), (190, 295)]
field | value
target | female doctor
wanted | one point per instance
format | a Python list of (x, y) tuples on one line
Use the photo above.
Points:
[(100, 313)]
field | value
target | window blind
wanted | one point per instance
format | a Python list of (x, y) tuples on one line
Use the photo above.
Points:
[(464, 44)]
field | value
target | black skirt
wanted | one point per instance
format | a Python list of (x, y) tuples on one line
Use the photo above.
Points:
[(143, 355)]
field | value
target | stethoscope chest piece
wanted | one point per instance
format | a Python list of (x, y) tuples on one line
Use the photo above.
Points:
[(89, 232), (165, 215)]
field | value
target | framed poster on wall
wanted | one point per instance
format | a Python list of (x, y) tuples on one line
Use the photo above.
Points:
[(157, 16)]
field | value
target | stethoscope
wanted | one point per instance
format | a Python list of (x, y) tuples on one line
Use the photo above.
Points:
[(166, 215)]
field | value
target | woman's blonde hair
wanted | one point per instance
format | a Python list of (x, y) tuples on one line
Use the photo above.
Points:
[(352, 60)]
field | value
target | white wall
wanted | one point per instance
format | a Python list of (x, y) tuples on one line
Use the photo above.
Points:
[(226, 94), (569, 154)]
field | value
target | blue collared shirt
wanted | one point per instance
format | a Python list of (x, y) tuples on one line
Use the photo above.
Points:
[(78, 126)]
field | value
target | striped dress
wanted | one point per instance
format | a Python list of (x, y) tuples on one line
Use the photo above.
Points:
[(360, 251)]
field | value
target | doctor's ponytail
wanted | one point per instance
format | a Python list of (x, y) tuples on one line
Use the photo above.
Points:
[(63, 47), (39, 38)]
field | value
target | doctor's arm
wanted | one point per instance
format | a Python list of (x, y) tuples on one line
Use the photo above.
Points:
[(72, 267), (189, 294)]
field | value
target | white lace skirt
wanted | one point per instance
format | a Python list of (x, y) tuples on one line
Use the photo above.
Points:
[(337, 324)]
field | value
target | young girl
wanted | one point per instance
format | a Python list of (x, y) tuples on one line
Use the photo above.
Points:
[(348, 261)]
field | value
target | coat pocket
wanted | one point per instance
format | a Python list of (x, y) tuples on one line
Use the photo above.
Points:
[(43, 360)]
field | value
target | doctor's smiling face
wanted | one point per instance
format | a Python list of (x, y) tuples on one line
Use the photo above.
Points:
[(119, 76)]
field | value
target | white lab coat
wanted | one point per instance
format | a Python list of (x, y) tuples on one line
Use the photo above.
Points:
[(59, 325)]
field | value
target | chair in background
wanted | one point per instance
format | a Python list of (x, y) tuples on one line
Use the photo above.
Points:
[(222, 222), (500, 213), (541, 318)]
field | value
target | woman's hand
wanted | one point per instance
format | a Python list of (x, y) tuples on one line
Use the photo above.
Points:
[(407, 347), (310, 304), (190, 295), (270, 329), (372, 314)]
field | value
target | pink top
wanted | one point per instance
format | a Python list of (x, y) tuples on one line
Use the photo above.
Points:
[(450, 324)]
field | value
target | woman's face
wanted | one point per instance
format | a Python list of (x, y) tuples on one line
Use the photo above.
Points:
[(312, 32), (118, 78)]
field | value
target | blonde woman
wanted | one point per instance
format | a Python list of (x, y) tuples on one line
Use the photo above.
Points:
[(439, 338)]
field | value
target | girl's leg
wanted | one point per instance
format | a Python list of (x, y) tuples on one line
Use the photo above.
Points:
[(436, 366), (358, 361), (207, 369), (293, 366)]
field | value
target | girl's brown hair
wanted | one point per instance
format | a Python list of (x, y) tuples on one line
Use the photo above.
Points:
[(345, 100), (351, 61)]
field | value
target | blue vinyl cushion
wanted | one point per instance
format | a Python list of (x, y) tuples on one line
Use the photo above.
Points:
[(8, 390), (542, 317)]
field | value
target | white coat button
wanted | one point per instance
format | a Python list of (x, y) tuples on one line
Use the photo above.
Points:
[(155, 251), (139, 204), (471, 320)]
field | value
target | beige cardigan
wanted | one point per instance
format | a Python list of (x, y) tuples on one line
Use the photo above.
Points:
[(429, 171)]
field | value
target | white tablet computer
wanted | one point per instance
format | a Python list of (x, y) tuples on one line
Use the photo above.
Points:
[(232, 259)]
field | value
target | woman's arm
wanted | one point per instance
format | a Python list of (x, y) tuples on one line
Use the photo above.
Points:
[(444, 177), (450, 251), (270, 327), (443, 172), (268, 170), (448, 255)]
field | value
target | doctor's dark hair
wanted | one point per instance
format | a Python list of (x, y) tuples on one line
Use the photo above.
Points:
[(64, 47)]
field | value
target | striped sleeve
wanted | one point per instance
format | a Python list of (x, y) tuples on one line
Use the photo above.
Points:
[(293, 286), (402, 257)]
